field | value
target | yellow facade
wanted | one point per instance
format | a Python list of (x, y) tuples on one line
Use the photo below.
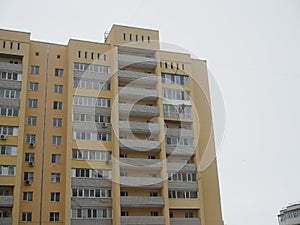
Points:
[(105, 133)]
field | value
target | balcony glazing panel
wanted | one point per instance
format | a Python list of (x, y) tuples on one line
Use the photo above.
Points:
[(136, 61), (141, 201), (139, 145), (138, 110), (136, 77), (149, 220), (139, 127), (6, 201), (140, 164), (141, 182), (131, 93)]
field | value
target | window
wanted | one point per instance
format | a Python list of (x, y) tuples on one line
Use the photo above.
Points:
[(188, 214), (6, 93), (171, 214), (11, 45), (152, 175), (151, 157), (56, 158), (32, 103), (37, 53), (82, 213), (57, 105), (91, 173), (90, 155), (182, 66), (27, 196), (91, 193), (59, 72), (18, 46), (154, 213), (30, 138), (85, 55), (54, 216), (124, 213), (10, 76), (124, 193), (92, 55), (7, 170), (124, 36), (4, 192), (29, 157), (34, 69), (55, 196), (153, 194), (26, 216), (8, 150), (136, 38), (143, 38), (123, 174), (79, 54), (55, 177), (58, 56), (9, 130), (183, 194), (33, 86), (58, 88), (57, 122), (122, 155), (148, 39), (56, 140), (91, 101), (28, 176), (4, 44), (11, 112), (31, 120), (104, 57), (92, 68), (130, 37)]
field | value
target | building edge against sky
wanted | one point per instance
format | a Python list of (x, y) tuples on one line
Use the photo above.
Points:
[(118, 132)]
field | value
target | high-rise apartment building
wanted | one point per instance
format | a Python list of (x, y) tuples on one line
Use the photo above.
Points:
[(118, 132)]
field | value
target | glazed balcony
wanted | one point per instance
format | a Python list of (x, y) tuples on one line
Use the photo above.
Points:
[(137, 77), (139, 127), (142, 202), (139, 145), (130, 93), (149, 220), (138, 110), (141, 182), (140, 164), (136, 61)]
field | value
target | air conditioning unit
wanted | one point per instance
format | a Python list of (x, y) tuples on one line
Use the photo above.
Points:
[(28, 182), (104, 125), (32, 144), (3, 137)]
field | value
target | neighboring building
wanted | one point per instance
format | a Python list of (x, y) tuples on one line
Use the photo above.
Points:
[(290, 215), (78, 147)]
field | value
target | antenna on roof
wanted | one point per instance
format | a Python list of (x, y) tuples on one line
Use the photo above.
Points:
[(105, 35)]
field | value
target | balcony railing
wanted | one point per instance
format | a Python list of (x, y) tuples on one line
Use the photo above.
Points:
[(102, 221), (180, 150), (139, 127), (138, 110), (182, 167), (140, 145), (149, 220), (136, 61), (90, 182), (11, 67), (130, 93), (6, 201), (136, 77), (183, 185), (179, 132), (185, 221), (6, 221), (141, 182), (91, 202), (140, 164), (141, 201)]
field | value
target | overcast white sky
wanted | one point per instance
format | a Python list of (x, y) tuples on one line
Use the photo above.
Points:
[(252, 48)]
